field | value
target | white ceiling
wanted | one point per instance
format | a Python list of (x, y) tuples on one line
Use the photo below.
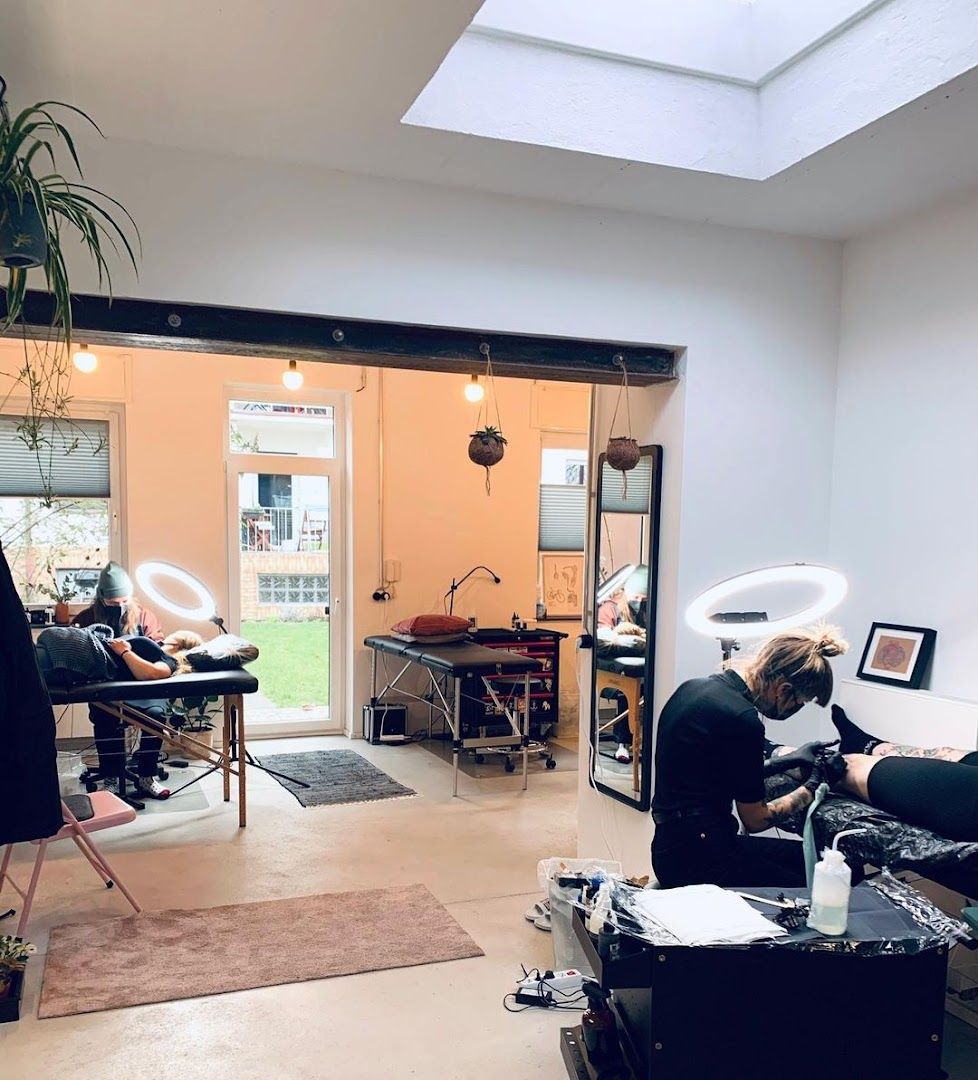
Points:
[(328, 81)]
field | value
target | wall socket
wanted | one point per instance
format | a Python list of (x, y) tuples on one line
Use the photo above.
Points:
[(473, 622)]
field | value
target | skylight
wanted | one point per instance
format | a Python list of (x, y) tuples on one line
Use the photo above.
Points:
[(739, 87)]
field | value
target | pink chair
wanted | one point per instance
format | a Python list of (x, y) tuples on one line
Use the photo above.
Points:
[(109, 811)]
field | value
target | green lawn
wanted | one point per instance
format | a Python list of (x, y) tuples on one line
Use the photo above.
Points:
[(293, 665)]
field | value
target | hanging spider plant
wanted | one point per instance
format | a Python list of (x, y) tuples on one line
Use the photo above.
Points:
[(40, 210)]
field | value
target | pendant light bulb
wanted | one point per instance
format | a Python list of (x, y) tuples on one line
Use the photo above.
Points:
[(84, 359), (474, 390), (292, 376)]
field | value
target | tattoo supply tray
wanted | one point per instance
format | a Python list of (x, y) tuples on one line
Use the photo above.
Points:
[(687, 1012)]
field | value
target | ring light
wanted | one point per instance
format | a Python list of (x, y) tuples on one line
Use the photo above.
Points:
[(148, 572), (833, 585)]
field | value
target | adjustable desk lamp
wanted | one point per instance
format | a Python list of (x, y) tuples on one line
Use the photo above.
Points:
[(701, 616), (455, 585), (147, 574)]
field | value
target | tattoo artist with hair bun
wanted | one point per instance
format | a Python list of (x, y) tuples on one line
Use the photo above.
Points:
[(710, 752)]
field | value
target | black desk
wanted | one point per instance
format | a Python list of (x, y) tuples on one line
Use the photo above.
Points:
[(811, 1007)]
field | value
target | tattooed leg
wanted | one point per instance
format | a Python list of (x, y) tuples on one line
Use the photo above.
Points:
[(939, 753)]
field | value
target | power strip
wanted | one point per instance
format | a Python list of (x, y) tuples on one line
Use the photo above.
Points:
[(550, 988)]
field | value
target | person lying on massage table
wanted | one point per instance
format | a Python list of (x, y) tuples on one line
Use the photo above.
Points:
[(72, 656), (932, 787)]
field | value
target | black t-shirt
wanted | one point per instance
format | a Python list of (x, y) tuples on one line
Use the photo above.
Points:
[(147, 649), (709, 747)]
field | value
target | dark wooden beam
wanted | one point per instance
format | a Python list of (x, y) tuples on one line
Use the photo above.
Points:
[(335, 340)]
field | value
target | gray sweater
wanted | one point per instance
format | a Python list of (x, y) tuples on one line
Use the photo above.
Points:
[(71, 655)]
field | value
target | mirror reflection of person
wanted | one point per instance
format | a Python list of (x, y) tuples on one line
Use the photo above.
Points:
[(115, 606), (710, 751), (621, 631)]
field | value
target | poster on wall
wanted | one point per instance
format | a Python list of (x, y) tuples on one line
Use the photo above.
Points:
[(563, 584), (897, 655)]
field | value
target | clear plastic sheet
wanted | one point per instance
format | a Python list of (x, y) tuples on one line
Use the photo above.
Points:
[(922, 909), (888, 842)]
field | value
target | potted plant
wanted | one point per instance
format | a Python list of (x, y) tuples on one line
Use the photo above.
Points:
[(62, 594), (486, 448), (193, 716), (14, 954), (41, 212)]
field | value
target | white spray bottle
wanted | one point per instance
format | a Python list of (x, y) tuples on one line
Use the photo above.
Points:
[(831, 886)]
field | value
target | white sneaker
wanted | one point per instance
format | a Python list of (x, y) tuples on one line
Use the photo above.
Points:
[(149, 785), (623, 754)]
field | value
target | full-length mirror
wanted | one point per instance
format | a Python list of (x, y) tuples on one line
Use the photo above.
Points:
[(625, 558)]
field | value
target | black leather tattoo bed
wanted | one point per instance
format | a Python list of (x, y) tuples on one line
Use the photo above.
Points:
[(888, 841), (455, 671), (121, 699)]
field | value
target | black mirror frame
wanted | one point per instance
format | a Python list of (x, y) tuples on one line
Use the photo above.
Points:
[(644, 801)]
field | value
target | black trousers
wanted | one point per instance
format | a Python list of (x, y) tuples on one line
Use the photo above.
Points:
[(708, 851), (111, 744)]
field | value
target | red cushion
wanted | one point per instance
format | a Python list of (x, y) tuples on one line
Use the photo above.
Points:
[(431, 625)]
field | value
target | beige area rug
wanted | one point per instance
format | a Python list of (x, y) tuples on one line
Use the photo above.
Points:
[(166, 955)]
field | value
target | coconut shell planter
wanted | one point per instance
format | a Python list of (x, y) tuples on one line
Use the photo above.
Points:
[(623, 453), (486, 448)]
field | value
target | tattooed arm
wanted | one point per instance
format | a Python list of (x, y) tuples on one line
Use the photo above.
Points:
[(765, 815)]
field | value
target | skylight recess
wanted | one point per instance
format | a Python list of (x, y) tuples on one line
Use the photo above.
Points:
[(744, 88)]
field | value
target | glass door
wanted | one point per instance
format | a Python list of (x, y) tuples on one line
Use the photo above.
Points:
[(283, 516)]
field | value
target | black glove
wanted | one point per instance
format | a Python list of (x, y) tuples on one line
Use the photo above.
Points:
[(829, 768), (803, 758)]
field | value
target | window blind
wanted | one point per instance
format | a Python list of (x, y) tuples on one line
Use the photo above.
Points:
[(563, 513), (73, 458), (633, 496)]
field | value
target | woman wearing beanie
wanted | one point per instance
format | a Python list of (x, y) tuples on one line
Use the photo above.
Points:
[(114, 606)]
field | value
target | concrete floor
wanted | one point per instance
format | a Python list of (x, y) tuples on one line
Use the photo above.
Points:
[(477, 854)]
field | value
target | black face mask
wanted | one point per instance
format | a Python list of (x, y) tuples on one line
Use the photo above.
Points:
[(114, 615), (637, 609)]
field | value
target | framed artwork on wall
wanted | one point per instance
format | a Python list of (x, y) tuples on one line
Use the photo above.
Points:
[(562, 578), (897, 655)]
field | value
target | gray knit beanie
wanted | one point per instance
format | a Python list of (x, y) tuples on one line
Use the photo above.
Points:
[(113, 582)]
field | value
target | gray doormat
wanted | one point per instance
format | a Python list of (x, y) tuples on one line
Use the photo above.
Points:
[(168, 955), (334, 776)]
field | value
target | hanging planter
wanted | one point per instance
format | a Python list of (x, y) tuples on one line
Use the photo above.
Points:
[(623, 452), (43, 213), (488, 444), (22, 239)]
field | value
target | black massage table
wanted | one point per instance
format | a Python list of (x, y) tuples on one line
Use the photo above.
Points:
[(887, 841), (121, 698), (456, 671)]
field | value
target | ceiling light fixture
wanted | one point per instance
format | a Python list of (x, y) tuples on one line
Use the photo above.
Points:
[(474, 390), (84, 359), (292, 377)]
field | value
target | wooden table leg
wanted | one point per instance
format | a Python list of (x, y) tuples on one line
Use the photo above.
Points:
[(242, 762), (226, 749), (631, 689)]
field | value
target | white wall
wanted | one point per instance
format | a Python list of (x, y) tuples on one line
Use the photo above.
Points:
[(758, 312), (905, 507)]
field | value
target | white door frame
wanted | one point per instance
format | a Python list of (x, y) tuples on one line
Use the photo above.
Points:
[(334, 469)]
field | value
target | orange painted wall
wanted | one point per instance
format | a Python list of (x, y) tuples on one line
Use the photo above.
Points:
[(438, 520)]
